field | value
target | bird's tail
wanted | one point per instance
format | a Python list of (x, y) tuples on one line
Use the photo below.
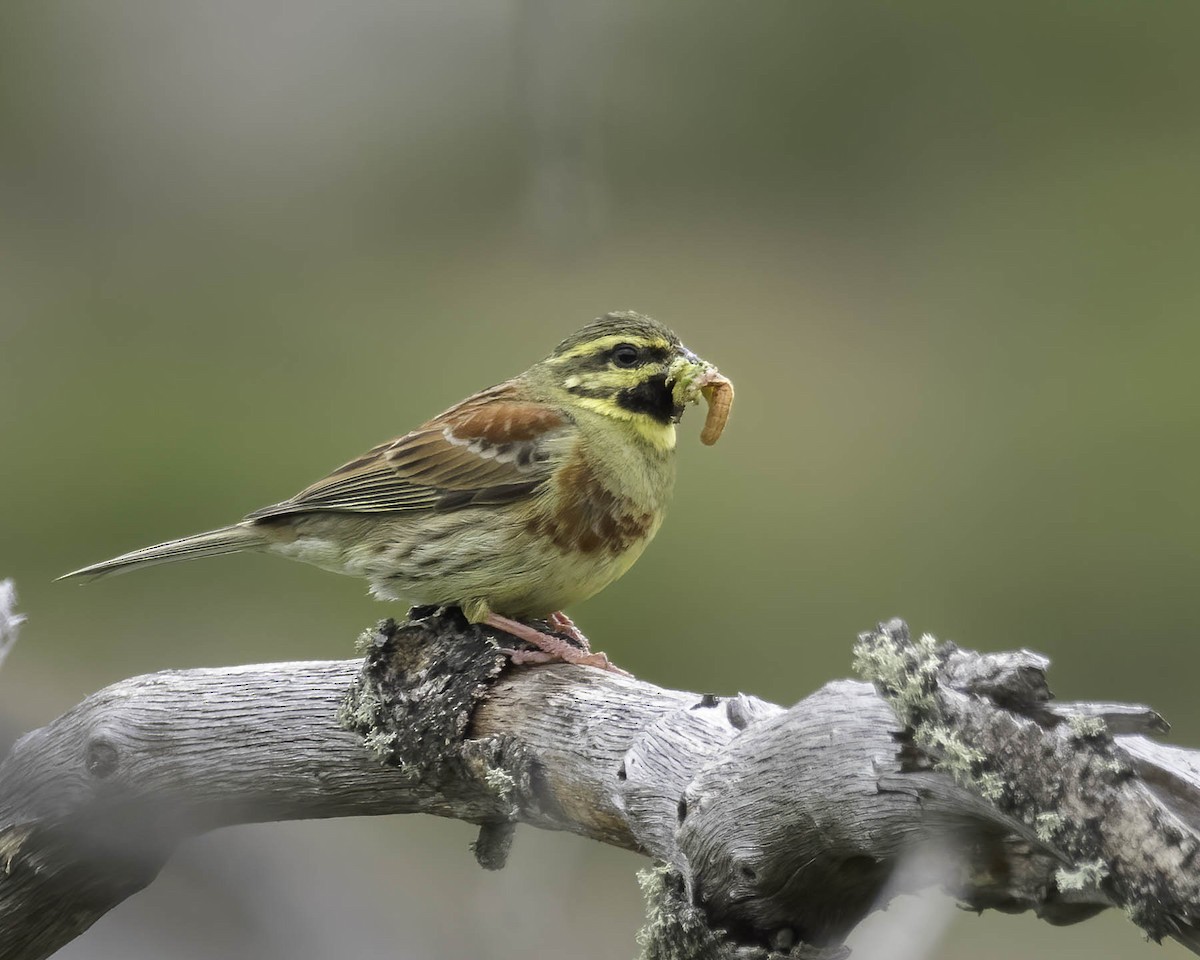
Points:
[(211, 544)]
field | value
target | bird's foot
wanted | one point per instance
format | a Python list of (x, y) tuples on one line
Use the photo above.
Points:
[(560, 623), (551, 648)]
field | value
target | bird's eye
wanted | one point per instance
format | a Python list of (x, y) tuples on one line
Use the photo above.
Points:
[(625, 355)]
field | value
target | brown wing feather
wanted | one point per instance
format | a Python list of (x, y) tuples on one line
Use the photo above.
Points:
[(492, 447)]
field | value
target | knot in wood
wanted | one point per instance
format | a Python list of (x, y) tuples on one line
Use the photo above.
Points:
[(101, 757)]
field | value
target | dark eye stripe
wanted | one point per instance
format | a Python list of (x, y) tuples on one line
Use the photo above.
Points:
[(587, 390), (646, 354), (602, 359)]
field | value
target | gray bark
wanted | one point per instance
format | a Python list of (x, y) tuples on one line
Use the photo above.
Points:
[(10, 620), (776, 829)]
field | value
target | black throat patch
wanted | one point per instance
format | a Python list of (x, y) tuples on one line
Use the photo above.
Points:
[(653, 398)]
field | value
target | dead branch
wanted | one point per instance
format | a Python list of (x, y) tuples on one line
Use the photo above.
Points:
[(776, 829)]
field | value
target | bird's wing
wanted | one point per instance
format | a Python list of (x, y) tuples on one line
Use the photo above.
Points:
[(494, 447)]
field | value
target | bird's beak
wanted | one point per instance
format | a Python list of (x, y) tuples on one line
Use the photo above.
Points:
[(691, 379)]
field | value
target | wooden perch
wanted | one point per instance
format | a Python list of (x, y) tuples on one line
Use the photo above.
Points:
[(10, 620), (776, 829)]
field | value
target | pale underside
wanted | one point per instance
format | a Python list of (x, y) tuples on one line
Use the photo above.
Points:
[(475, 558)]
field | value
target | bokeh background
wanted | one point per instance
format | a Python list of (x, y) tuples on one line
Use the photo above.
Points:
[(946, 251)]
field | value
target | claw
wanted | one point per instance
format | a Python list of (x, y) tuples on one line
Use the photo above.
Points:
[(559, 622), (550, 647)]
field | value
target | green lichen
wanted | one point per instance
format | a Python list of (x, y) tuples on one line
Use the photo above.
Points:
[(1048, 825), (380, 745), (906, 674), (366, 642), (674, 929), (1086, 876), (500, 782), (1113, 766), (952, 755), (1087, 728), (358, 710)]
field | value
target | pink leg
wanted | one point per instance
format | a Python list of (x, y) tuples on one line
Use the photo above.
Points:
[(561, 623), (550, 647)]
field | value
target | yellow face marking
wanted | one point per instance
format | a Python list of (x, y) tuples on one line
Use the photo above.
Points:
[(661, 436), (617, 379)]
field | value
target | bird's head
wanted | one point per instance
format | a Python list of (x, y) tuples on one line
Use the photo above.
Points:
[(630, 368)]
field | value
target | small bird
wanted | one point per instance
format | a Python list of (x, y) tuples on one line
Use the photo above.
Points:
[(521, 500)]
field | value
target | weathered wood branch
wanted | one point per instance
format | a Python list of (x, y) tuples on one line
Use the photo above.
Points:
[(10, 620), (778, 829)]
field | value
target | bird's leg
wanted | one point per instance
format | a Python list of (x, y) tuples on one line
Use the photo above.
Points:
[(560, 623), (549, 647)]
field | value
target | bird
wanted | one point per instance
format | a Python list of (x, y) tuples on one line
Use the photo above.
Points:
[(521, 500)]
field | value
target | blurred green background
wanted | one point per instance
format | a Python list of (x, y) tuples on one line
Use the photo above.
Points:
[(946, 251)]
